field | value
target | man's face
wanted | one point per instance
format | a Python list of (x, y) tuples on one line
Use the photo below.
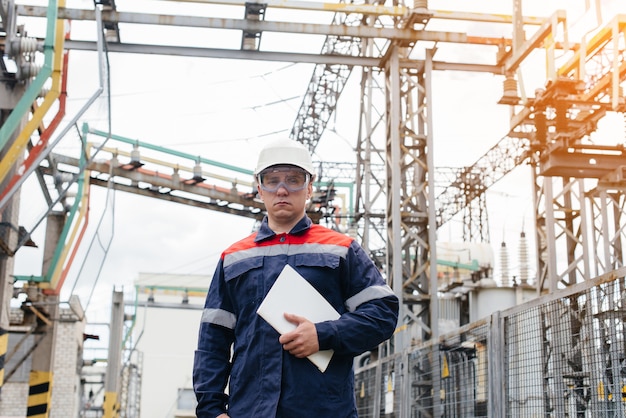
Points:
[(284, 189)]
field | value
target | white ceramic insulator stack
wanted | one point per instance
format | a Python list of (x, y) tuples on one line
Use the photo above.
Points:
[(523, 259), (505, 278)]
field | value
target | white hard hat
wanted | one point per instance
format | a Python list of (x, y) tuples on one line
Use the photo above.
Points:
[(284, 151)]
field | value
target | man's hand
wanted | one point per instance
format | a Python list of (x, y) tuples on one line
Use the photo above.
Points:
[(222, 416), (302, 341)]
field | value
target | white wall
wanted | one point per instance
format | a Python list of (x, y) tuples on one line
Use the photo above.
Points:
[(168, 343)]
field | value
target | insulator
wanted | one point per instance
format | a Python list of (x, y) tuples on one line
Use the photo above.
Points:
[(505, 279), (523, 259), (114, 160), (250, 43), (28, 70), (135, 155), (197, 171), (420, 4), (32, 293), (111, 36), (25, 45), (176, 175), (509, 87)]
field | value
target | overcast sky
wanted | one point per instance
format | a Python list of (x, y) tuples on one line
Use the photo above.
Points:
[(226, 110)]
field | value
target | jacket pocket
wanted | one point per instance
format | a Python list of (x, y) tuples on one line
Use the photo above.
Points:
[(245, 281), (330, 261), (324, 272)]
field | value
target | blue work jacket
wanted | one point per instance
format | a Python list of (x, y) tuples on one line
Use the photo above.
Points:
[(265, 381)]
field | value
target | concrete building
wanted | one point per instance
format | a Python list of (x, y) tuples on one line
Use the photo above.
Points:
[(68, 359), (165, 330)]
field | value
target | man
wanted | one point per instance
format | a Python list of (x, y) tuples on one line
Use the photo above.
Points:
[(268, 374)]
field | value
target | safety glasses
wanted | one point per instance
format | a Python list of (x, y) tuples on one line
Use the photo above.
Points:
[(290, 178)]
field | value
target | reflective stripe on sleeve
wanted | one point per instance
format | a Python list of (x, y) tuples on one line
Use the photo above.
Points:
[(367, 294), (219, 317)]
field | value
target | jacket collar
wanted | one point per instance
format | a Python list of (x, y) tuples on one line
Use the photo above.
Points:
[(265, 232)]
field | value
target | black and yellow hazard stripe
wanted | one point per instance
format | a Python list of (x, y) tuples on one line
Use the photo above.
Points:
[(4, 346), (110, 406), (39, 394)]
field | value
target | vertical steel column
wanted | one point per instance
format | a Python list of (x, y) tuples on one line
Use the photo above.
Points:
[(562, 238), (608, 211), (370, 180), (430, 185), (9, 218), (408, 189), (564, 224), (430, 249), (46, 312), (363, 162), (518, 25), (608, 224), (111, 404), (410, 201), (394, 202), (550, 234), (415, 212), (540, 230)]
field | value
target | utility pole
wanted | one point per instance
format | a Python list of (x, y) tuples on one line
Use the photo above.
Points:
[(44, 312), (114, 360), (9, 232)]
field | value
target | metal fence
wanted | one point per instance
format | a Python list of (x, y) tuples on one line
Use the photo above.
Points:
[(560, 355)]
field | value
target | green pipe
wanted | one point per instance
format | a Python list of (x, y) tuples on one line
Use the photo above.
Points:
[(35, 88), (178, 288), (68, 222), (170, 151), (31, 278), (473, 266)]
